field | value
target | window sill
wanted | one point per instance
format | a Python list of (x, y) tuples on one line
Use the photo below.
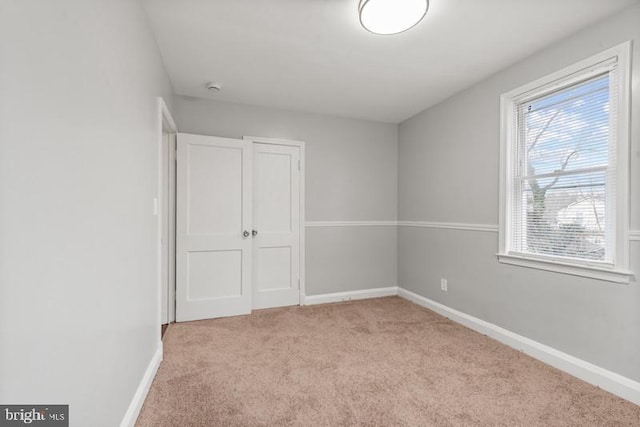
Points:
[(593, 272)]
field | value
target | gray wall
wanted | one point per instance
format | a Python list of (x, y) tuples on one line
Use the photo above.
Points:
[(351, 175), (448, 172), (78, 174)]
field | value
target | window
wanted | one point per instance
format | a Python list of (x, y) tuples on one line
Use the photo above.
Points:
[(564, 170)]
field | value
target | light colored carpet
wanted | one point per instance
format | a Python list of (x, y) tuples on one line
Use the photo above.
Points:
[(380, 362)]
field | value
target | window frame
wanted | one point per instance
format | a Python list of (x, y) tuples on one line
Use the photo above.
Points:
[(617, 271)]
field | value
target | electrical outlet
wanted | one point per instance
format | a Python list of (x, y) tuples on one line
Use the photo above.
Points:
[(443, 285)]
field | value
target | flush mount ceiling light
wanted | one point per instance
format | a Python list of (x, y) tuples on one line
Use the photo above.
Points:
[(391, 16)]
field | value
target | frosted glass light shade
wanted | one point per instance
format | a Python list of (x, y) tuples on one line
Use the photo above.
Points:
[(391, 16)]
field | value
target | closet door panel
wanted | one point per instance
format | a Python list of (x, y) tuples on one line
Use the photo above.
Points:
[(277, 223), (213, 242)]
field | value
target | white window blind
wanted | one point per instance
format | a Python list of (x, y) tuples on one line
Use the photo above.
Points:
[(565, 169)]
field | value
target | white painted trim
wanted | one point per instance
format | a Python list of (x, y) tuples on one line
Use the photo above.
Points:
[(567, 75), (491, 228), (316, 224), (303, 163), (173, 146), (131, 416), (583, 270), (303, 250), (166, 115), (166, 125), (351, 295), (623, 164), (605, 379), (634, 235)]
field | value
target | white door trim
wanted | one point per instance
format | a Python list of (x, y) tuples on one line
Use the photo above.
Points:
[(300, 145), (171, 205), (167, 125)]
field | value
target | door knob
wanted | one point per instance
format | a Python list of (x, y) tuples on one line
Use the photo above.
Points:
[(254, 233), (245, 233)]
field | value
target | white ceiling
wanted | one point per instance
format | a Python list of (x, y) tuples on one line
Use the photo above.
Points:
[(312, 55)]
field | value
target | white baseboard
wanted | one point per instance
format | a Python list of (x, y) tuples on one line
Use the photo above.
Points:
[(130, 417), (607, 380), (350, 295)]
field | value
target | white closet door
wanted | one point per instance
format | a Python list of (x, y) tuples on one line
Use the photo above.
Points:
[(214, 245), (276, 217)]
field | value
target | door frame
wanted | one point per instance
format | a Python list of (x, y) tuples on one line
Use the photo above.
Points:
[(166, 125), (300, 145)]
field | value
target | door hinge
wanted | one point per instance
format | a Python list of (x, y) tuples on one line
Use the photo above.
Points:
[(298, 164), (298, 284)]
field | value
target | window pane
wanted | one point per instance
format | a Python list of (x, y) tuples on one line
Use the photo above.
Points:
[(564, 168), (569, 129), (565, 216)]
